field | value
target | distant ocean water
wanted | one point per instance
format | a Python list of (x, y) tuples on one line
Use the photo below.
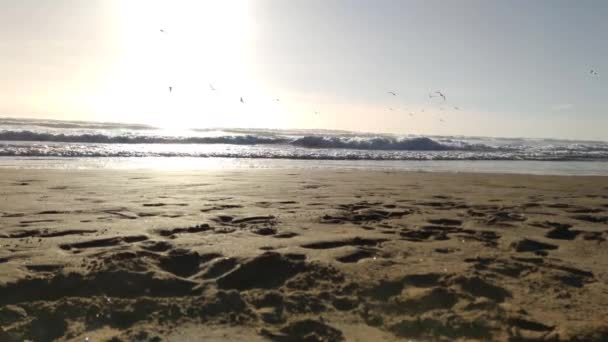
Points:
[(49, 143)]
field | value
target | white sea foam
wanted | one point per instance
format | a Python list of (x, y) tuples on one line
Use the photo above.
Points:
[(47, 138)]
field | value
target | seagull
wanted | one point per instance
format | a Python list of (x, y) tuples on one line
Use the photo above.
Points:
[(456, 108), (316, 112), (392, 93), (242, 101), (390, 108), (440, 94), (593, 72), (277, 100), (440, 119), (212, 87), (170, 89), (411, 114), (162, 31)]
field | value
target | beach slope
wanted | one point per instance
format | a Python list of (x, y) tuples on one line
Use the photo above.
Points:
[(291, 255)]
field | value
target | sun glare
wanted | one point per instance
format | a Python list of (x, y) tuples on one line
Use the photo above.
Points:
[(172, 53), (187, 64)]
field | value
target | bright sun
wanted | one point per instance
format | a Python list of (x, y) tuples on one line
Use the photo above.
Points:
[(201, 43)]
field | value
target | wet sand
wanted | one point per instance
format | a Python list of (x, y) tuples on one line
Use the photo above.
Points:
[(292, 255)]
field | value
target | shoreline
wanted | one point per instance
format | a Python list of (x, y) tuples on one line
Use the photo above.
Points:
[(55, 172), (164, 164)]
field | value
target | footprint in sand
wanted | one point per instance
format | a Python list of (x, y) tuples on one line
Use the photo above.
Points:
[(357, 255), (591, 218), (528, 245), (305, 330), (187, 230), (562, 233), (356, 241), (106, 242)]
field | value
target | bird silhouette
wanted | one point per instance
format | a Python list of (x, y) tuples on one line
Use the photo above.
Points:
[(593, 72), (170, 89), (440, 94), (456, 108), (242, 101), (392, 93), (211, 87)]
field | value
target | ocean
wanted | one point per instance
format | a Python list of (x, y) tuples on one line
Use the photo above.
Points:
[(31, 143)]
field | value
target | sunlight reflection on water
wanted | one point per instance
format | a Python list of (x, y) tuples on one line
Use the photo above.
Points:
[(187, 164)]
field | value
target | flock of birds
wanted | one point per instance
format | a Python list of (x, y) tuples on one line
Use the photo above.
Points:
[(436, 94)]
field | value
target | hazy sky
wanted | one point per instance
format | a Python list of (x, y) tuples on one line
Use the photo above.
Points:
[(514, 68)]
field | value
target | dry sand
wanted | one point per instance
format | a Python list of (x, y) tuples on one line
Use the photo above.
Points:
[(295, 255)]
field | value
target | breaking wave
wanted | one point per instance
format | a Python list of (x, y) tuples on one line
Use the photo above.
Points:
[(51, 138), (357, 143)]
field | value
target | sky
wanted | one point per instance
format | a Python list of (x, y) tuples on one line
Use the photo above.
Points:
[(512, 68)]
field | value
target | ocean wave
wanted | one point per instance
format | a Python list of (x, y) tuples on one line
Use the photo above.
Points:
[(79, 150), (72, 124), (49, 138), (357, 143), (136, 139)]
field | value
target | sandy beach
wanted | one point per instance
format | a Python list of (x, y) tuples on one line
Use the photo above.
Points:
[(290, 255)]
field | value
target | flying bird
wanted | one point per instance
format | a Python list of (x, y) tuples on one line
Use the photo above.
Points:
[(392, 93), (440, 94), (411, 114), (456, 108), (242, 101), (593, 72), (277, 100), (316, 112), (162, 31), (440, 119), (170, 89), (211, 87)]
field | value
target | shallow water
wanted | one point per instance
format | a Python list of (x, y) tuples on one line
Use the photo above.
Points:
[(579, 168)]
